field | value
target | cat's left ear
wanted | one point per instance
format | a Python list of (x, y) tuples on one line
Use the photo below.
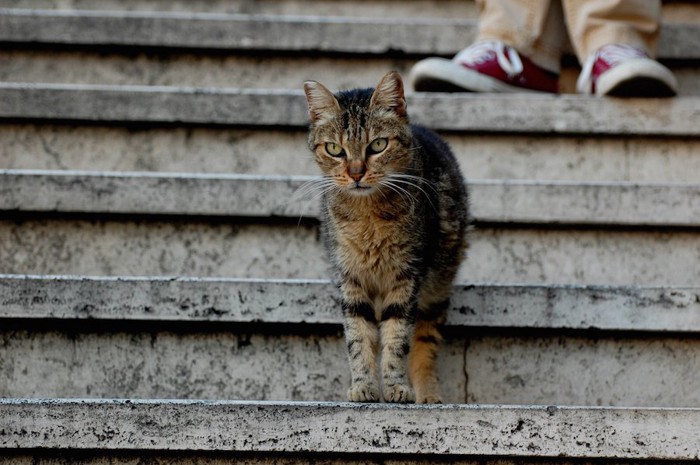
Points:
[(389, 94)]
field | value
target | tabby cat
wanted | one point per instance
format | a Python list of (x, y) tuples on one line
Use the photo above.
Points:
[(394, 217)]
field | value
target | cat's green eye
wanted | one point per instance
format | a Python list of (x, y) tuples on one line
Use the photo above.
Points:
[(334, 150), (377, 146)]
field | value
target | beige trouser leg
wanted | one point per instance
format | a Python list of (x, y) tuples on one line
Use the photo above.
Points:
[(536, 27), (594, 23)]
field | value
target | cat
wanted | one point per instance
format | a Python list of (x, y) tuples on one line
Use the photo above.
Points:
[(394, 216)]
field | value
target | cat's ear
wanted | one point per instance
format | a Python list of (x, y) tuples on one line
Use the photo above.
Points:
[(389, 94), (323, 105)]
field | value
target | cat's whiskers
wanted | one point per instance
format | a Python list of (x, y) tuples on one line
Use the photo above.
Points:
[(417, 179), (310, 186), (310, 191), (414, 181), (399, 190)]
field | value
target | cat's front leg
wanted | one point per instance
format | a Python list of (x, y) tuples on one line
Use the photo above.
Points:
[(396, 329), (362, 337)]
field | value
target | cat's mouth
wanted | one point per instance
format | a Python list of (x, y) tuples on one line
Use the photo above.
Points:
[(360, 189)]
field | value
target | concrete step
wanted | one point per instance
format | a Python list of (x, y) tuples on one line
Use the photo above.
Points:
[(284, 249), (272, 71), (185, 300), (287, 108), (223, 339), (370, 35), (394, 8), (284, 152), (673, 11), (557, 433), (510, 202), (195, 360)]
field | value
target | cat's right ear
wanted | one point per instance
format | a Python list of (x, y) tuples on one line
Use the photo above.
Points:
[(322, 103)]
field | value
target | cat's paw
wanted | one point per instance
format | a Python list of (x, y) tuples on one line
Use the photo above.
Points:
[(398, 393), (363, 392), (428, 399)]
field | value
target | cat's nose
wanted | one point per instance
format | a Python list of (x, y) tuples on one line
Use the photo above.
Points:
[(356, 170)]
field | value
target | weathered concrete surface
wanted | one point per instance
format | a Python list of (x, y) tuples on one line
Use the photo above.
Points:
[(566, 202), (312, 427), (581, 371), (207, 365), (586, 159), (152, 193), (289, 33), (239, 32), (520, 202), (197, 70), (496, 256), (258, 107), (192, 458), (257, 366), (141, 248), (415, 8), (202, 150), (316, 302), (181, 458), (229, 150), (275, 72)]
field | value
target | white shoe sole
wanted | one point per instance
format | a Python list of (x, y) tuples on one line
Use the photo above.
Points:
[(637, 77)]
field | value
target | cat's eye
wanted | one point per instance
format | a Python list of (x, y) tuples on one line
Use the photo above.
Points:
[(334, 150), (377, 146)]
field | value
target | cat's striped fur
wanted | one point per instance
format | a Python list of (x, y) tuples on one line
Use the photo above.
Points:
[(394, 218)]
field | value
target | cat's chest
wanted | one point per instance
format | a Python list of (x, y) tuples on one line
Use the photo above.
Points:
[(371, 244)]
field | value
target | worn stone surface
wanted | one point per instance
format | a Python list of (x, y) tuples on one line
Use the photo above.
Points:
[(259, 107), (254, 366), (588, 159), (307, 427), (290, 33), (519, 202), (496, 256), (226, 150), (581, 371), (181, 458), (159, 300), (582, 257), (202, 70), (209, 365), (566, 202), (447, 8), (174, 149), (217, 31), (152, 193), (160, 248)]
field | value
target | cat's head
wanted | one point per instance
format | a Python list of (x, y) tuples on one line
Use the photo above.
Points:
[(360, 137)]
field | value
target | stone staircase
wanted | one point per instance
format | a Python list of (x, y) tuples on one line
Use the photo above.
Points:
[(164, 295)]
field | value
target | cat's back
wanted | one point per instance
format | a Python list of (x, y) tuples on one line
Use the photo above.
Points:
[(439, 162)]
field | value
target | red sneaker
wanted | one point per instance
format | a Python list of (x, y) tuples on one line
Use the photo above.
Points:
[(625, 71), (485, 66)]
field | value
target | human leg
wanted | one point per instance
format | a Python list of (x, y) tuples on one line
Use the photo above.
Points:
[(516, 50)]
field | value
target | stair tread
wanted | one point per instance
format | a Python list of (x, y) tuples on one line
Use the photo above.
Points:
[(493, 201), (564, 114), (291, 427), (424, 36), (190, 299)]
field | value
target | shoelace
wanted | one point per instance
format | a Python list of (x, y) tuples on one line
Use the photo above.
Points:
[(612, 54), (482, 51)]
